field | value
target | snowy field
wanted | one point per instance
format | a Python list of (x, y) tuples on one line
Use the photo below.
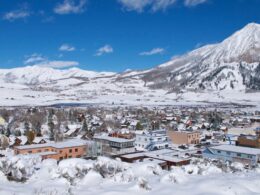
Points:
[(113, 177), (34, 86), (103, 95)]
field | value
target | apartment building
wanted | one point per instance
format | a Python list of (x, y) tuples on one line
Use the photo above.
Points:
[(58, 150), (184, 137)]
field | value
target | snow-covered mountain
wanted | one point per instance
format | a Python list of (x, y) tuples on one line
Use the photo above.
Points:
[(211, 73), (31, 75), (233, 64)]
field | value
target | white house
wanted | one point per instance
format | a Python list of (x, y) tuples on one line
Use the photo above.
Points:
[(151, 140)]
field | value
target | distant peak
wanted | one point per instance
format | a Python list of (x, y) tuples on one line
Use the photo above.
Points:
[(253, 24), (251, 27)]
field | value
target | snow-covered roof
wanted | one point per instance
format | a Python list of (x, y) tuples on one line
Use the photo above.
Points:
[(163, 155), (38, 139), (237, 149), (22, 138), (64, 144), (113, 139)]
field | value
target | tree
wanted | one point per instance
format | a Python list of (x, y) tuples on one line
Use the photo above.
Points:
[(84, 127), (58, 136), (17, 133), (38, 127), (8, 132), (26, 128), (51, 129), (30, 136), (2, 130), (138, 126), (4, 141), (51, 125)]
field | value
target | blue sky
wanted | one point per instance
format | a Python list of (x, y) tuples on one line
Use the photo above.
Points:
[(114, 35)]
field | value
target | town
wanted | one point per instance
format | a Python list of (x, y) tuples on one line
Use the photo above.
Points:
[(163, 136)]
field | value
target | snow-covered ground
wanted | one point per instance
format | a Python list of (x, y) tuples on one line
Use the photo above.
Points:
[(107, 92), (113, 177), (221, 73)]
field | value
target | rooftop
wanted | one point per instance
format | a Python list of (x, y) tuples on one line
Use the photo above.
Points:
[(237, 149), (113, 139), (164, 155), (64, 144)]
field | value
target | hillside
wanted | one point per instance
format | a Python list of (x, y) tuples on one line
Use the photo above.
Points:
[(225, 72)]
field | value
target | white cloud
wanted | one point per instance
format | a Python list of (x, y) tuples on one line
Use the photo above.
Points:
[(152, 52), (191, 3), (162, 4), (39, 60), (155, 5), (70, 7), (104, 50), (66, 47), (58, 64), (135, 5), (16, 14), (140, 5), (34, 58)]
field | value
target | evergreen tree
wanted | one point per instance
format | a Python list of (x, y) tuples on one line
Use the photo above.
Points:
[(51, 129), (38, 129), (7, 132), (84, 126), (17, 133), (2, 131), (51, 125), (139, 126)]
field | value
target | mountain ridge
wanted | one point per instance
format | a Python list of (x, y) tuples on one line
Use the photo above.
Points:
[(211, 73)]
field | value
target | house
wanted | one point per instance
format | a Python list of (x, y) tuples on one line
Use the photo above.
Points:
[(151, 140), (73, 130), (17, 141), (164, 158), (39, 140), (58, 150), (233, 153), (184, 137), (251, 141), (114, 145)]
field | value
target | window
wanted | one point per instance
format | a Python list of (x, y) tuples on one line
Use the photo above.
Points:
[(228, 153), (39, 151), (69, 156), (61, 158), (238, 154), (30, 152), (70, 150), (76, 149), (46, 150), (219, 151)]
